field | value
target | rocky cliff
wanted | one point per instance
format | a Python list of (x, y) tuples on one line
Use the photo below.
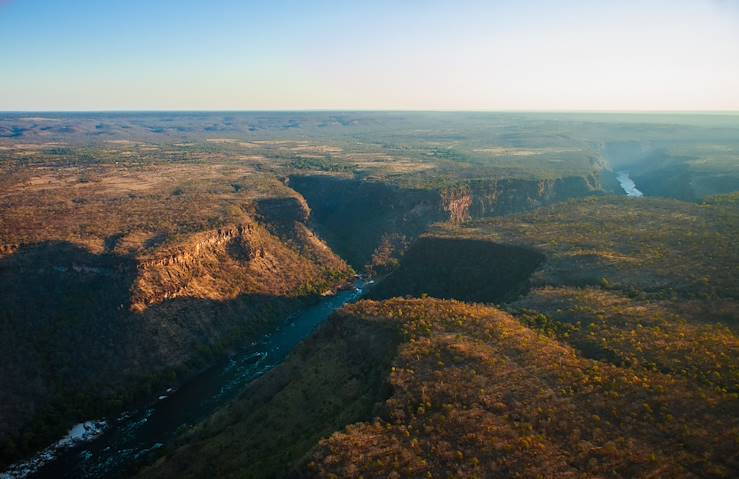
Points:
[(241, 259), (486, 197), (355, 215), (358, 216)]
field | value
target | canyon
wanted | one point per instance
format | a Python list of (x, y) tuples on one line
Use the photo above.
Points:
[(137, 258), (614, 357)]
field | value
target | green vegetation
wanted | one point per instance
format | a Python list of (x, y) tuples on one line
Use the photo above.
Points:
[(408, 149)]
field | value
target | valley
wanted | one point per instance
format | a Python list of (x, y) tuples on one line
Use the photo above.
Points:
[(123, 443), (556, 294), (610, 363)]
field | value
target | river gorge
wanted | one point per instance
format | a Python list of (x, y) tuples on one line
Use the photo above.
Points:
[(109, 448)]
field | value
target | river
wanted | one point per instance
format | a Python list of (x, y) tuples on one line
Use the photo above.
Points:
[(628, 184), (109, 448)]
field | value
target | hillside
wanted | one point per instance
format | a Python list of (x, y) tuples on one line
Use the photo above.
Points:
[(334, 379), (649, 283), (474, 393)]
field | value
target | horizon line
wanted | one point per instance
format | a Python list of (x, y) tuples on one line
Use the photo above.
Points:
[(378, 110)]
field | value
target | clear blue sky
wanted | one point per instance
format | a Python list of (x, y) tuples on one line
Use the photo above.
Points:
[(380, 54)]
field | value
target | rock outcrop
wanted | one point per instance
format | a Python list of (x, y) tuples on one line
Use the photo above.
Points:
[(225, 263)]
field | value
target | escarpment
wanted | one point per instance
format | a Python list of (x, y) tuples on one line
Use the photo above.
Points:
[(287, 218), (354, 215), (456, 203), (488, 197)]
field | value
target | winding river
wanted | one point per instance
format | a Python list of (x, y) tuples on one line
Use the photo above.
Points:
[(98, 449)]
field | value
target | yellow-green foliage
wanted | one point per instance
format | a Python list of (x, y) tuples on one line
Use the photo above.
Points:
[(690, 339), (477, 394)]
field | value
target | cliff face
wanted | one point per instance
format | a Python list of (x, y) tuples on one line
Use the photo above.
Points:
[(95, 332), (241, 259), (457, 203), (357, 217), (488, 197)]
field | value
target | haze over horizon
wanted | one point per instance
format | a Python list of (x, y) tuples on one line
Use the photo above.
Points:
[(534, 55)]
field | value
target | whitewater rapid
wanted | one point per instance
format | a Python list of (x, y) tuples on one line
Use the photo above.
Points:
[(628, 184)]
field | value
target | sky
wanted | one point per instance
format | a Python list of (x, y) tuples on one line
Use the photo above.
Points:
[(528, 55)]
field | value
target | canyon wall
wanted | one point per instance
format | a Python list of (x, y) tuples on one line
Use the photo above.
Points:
[(358, 218)]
